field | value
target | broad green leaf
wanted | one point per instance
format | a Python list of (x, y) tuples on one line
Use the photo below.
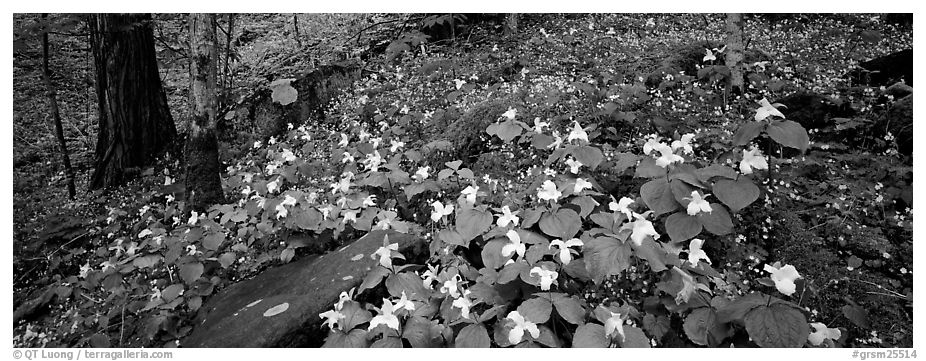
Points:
[(190, 272), (492, 253), (171, 292), (648, 169), (589, 156), (747, 132), (387, 342), (715, 170), (146, 261), (590, 335), (658, 196), (353, 339), (656, 326), (408, 282), (682, 227), (790, 134), (605, 256), (473, 336), (452, 237), (472, 223), (717, 221), (681, 191), (634, 338), (856, 314), (354, 315), (536, 310), (569, 308), (373, 278), (736, 194), (737, 310), (652, 253), (698, 323), (777, 326), (419, 331), (563, 224), (507, 130)]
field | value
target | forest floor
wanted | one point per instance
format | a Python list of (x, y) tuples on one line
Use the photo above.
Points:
[(841, 215)]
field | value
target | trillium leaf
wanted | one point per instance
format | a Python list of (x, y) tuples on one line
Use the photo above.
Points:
[(717, 221), (682, 227), (171, 292), (409, 283), (680, 191), (577, 269), (507, 130), (857, 315), (777, 325), (715, 170), (353, 339), (146, 261), (789, 134), (190, 272), (658, 196), (634, 338), (536, 310), (354, 315), (590, 335), (586, 205), (541, 141), (698, 323), (589, 156), (373, 278), (657, 326), (570, 309), (512, 271), (419, 331), (747, 132), (652, 253), (737, 310), (452, 237), (387, 342), (472, 223), (492, 253), (736, 194), (473, 336), (563, 224), (606, 256), (648, 169)]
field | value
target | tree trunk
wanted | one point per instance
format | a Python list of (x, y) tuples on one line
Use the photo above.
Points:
[(734, 57), (51, 92), (296, 29), (135, 123), (511, 24), (203, 186)]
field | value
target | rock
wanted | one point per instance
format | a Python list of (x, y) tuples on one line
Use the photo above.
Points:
[(885, 70), (280, 306), (314, 91), (899, 121), (813, 111), (868, 243), (899, 90)]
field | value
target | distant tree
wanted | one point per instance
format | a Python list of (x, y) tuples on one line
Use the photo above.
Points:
[(734, 57), (51, 92), (511, 24), (203, 186), (135, 123)]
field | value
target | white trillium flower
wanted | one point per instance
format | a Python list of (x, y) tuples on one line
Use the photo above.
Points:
[(822, 333), (684, 143), (450, 287), (651, 144), (641, 228), (520, 325), (463, 303), (396, 145), (708, 56), (405, 303), (470, 194), (766, 110), (698, 204), (667, 156), (193, 218), (370, 201), (386, 317), (622, 206), (557, 141), (350, 215), (784, 278), (752, 159), (565, 254), (547, 277), (695, 253), (422, 173), (539, 125), (581, 185), (548, 191), (459, 83), (440, 210), (385, 254), (429, 276), (514, 246), (510, 114), (331, 317), (274, 186), (577, 133), (507, 217), (614, 325), (574, 165), (347, 158)]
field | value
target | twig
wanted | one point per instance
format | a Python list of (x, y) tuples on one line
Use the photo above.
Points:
[(357, 35)]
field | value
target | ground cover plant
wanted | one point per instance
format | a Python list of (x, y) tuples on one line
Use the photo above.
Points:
[(588, 180)]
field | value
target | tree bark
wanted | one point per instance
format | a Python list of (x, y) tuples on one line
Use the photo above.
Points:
[(734, 57), (203, 185), (135, 122), (51, 92), (511, 24)]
